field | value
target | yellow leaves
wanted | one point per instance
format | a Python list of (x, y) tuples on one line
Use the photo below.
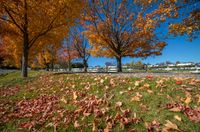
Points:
[(160, 83), (64, 100), (198, 99), (175, 109), (149, 91), (118, 104), (146, 86), (75, 96), (87, 86), (169, 126), (102, 81), (137, 83), (188, 98), (76, 124), (137, 97), (177, 118)]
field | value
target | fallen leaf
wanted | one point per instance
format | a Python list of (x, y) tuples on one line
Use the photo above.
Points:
[(149, 91), (188, 100), (179, 82), (75, 95), (63, 99), (94, 125), (101, 81), (76, 124), (108, 127), (177, 117), (149, 77), (146, 85), (118, 104), (169, 125), (198, 100), (137, 83), (112, 82), (175, 109), (121, 92), (135, 98)]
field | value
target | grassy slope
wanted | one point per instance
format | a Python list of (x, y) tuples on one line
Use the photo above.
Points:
[(150, 107)]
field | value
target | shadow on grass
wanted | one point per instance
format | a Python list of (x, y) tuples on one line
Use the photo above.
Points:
[(14, 78)]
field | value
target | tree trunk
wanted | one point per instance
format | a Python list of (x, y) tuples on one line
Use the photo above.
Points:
[(69, 66), (26, 43), (25, 57), (119, 64), (52, 66), (85, 65), (47, 67)]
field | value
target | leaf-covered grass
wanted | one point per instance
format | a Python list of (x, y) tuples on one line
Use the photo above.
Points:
[(87, 102)]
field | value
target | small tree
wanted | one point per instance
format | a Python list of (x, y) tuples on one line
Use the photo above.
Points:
[(81, 48), (48, 57), (68, 53)]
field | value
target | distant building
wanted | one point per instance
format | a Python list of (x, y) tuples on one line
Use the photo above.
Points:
[(185, 64)]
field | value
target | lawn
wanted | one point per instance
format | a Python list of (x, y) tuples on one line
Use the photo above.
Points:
[(92, 102)]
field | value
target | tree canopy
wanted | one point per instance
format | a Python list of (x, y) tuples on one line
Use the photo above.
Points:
[(27, 23)]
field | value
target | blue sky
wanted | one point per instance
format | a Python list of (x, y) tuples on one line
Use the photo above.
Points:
[(177, 49)]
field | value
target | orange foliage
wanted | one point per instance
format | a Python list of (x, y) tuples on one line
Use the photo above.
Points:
[(119, 31), (27, 23)]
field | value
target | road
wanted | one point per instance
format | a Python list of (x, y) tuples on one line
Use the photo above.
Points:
[(181, 75), (5, 71)]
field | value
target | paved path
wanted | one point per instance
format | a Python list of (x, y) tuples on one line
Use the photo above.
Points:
[(3, 71), (181, 75)]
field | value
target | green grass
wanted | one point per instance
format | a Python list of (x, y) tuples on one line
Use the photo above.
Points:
[(15, 78), (150, 107)]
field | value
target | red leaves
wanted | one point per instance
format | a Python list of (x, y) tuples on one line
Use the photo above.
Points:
[(99, 107), (149, 77), (192, 114), (154, 125), (9, 91), (90, 105), (179, 82), (39, 109), (27, 125), (27, 108), (124, 120)]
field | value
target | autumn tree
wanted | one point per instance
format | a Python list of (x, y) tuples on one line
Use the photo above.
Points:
[(48, 57), (189, 19), (31, 20), (81, 47), (46, 52), (67, 52), (2, 54), (121, 28)]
